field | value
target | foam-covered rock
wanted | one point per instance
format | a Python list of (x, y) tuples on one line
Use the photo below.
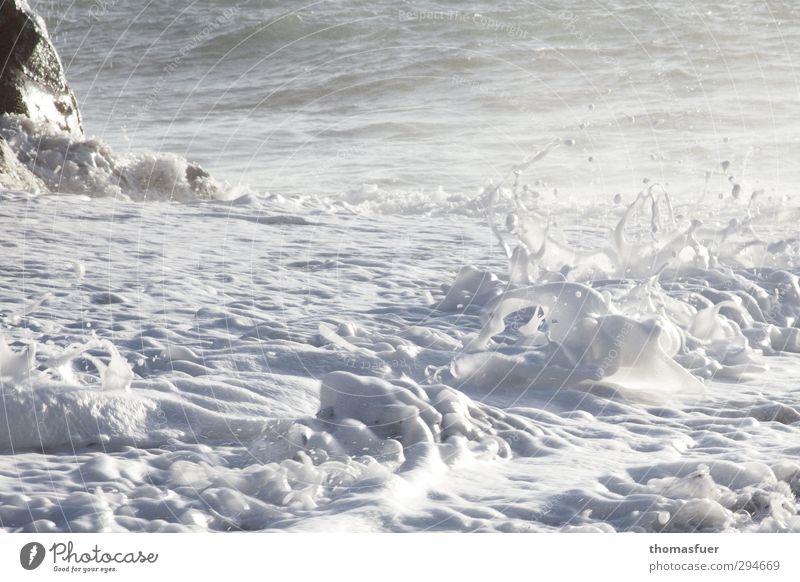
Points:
[(64, 162), (14, 175)]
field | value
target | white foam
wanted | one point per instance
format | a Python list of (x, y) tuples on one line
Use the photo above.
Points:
[(577, 379), (71, 164)]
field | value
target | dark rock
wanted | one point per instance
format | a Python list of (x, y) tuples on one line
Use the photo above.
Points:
[(32, 81), (200, 181), (195, 173)]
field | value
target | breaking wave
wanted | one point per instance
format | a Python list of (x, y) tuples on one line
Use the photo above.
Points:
[(61, 162)]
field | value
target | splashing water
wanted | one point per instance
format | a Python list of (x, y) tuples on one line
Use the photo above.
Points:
[(606, 318), (64, 163), (666, 299)]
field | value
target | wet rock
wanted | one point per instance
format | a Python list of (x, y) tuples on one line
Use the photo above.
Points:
[(32, 82), (14, 175)]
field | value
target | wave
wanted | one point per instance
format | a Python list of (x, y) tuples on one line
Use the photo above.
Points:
[(61, 162), (631, 306), (636, 306)]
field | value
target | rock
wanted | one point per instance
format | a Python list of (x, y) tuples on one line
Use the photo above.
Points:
[(32, 81), (42, 143), (200, 181), (14, 175)]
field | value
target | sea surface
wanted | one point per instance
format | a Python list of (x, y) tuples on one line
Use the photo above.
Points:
[(511, 267), (322, 97)]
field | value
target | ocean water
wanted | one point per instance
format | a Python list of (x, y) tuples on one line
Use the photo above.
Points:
[(514, 267), (324, 97)]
